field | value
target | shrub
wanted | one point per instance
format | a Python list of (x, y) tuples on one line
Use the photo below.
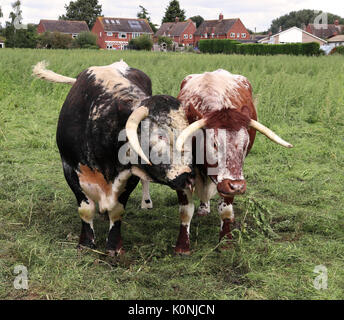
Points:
[(87, 40), (55, 40), (338, 50), (144, 42), (166, 40)]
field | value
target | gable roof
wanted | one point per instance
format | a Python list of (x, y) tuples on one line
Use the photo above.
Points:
[(125, 25), (217, 27), (304, 31), (325, 31), (338, 38), (64, 26), (172, 28)]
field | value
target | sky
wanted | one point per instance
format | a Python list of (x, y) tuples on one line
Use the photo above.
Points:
[(256, 15)]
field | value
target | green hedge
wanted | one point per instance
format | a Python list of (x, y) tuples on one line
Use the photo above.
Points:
[(232, 46), (338, 50)]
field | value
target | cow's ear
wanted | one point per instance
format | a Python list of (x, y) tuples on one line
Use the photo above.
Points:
[(246, 111), (186, 79)]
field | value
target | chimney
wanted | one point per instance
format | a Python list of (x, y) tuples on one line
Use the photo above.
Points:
[(177, 19), (336, 22), (220, 17)]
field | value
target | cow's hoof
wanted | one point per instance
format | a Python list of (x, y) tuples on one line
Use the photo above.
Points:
[(201, 211), (182, 251), (115, 253), (146, 204)]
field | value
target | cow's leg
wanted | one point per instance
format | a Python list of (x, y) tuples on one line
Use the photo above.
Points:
[(205, 190), (226, 213), (146, 202), (186, 211), (86, 207), (114, 241)]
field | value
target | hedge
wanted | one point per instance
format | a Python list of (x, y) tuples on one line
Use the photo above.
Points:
[(232, 46), (338, 50)]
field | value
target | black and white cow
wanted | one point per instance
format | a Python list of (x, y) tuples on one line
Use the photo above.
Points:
[(102, 102)]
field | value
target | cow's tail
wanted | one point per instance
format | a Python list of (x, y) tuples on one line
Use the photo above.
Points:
[(40, 71)]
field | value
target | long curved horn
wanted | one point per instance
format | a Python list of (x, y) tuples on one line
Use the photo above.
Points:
[(187, 132), (269, 133), (131, 129)]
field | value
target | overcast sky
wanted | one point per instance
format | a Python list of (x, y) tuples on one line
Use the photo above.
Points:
[(253, 13)]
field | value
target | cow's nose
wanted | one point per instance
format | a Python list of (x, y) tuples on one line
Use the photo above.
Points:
[(231, 187)]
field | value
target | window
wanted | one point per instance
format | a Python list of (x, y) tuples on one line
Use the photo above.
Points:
[(100, 34), (109, 47), (109, 34), (190, 36), (74, 35), (107, 21), (238, 35), (205, 35), (232, 35), (117, 21), (243, 35), (212, 35), (122, 35), (186, 36), (135, 35)]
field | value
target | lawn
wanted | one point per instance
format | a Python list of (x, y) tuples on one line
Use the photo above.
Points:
[(289, 221)]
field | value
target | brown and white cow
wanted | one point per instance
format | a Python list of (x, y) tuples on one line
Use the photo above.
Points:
[(219, 100)]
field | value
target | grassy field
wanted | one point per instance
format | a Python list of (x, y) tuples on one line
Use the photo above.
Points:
[(289, 221)]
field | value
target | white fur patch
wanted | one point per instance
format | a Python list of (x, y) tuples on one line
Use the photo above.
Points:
[(106, 201), (213, 88), (225, 211), (87, 211)]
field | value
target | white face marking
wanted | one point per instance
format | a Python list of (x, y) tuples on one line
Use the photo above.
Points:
[(213, 89), (232, 149)]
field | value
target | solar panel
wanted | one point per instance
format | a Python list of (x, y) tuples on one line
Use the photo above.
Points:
[(134, 24)]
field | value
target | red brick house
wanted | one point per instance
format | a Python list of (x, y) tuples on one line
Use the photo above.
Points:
[(115, 33), (221, 29), (180, 32), (325, 31), (63, 26)]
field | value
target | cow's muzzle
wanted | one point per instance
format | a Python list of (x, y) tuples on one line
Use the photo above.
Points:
[(184, 181), (231, 187)]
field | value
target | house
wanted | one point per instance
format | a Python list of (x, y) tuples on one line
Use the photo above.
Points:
[(221, 29), (70, 27), (2, 42), (180, 32), (115, 33), (336, 41), (325, 31), (292, 35)]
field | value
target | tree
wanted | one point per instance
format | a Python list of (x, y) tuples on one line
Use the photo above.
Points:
[(83, 10), (198, 20), (143, 14), (86, 40), (16, 15), (172, 11), (1, 15), (299, 19), (55, 40)]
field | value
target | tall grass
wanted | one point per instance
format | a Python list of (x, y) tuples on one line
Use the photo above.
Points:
[(290, 220)]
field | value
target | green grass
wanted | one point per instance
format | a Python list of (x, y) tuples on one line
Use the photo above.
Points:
[(290, 220)]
